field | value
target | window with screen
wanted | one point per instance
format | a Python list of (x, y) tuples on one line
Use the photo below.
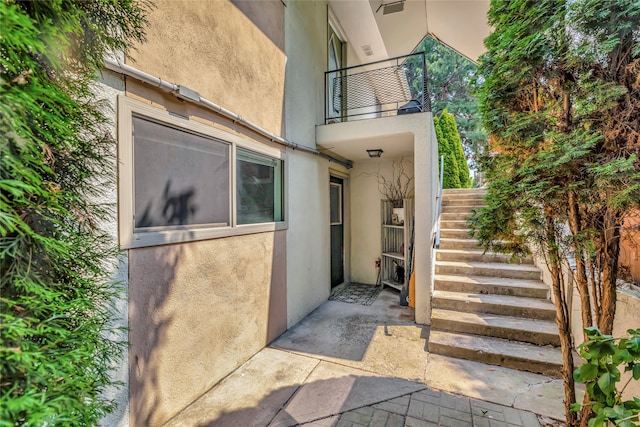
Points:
[(180, 178)]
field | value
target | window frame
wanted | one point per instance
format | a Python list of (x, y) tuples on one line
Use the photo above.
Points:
[(129, 237), (339, 187)]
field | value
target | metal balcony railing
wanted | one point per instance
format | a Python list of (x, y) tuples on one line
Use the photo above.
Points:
[(382, 88)]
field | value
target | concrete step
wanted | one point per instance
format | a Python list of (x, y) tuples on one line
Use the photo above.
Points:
[(497, 351), (456, 224), (539, 332), (459, 209), (493, 269), (462, 201), (455, 233), (491, 285), (449, 243), (460, 216), (505, 305), (473, 192), (478, 255)]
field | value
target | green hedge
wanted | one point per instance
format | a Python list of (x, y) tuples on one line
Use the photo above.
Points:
[(56, 162)]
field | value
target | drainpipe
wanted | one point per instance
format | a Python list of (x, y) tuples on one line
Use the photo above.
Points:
[(191, 95)]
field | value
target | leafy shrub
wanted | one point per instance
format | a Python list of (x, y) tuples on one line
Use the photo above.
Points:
[(603, 355), (55, 158)]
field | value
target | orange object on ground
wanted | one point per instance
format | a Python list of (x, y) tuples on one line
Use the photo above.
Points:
[(412, 289)]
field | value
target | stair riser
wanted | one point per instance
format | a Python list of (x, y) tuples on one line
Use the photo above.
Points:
[(475, 257), (454, 234), (543, 368), (455, 216), (474, 288), (460, 209), (537, 338), (457, 225), (463, 245), (483, 307), (466, 194), (492, 272), (462, 202)]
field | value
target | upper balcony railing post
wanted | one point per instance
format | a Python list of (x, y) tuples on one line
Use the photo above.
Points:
[(326, 99)]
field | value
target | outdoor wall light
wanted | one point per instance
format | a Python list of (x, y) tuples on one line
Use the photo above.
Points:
[(375, 153)]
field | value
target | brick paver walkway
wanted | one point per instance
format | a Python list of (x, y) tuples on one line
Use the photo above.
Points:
[(429, 408)]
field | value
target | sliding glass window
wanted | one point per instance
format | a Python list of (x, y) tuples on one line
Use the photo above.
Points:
[(259, 186)]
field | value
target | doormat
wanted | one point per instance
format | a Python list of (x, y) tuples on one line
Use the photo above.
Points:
[(356, 293)]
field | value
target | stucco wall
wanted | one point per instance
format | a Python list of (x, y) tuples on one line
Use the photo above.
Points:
[(107, 88), (197, 311), (308, 257), (627, 317), (365, 209), (229, 55)]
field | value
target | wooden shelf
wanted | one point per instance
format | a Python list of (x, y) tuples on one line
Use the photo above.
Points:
[(396, 255), (393, 284), (395, 239)]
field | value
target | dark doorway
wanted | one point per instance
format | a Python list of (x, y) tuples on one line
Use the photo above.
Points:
[(336, 204)]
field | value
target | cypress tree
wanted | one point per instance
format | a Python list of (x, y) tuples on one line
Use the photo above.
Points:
[(56, 158), (560, 98), (451, 175), (450, 132)]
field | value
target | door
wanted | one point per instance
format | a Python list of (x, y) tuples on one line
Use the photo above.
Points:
[(336, 207)]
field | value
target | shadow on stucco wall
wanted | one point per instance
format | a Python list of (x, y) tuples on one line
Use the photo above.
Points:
[(269, 19), (152, 274), (277, 311)]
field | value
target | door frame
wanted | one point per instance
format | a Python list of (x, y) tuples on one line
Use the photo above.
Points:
[(346, 223)]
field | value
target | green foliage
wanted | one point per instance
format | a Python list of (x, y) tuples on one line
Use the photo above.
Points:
[(559, 94), (456, 169), (449, 129), (451, 175), (450, 79), (603, 356), (56, 157)]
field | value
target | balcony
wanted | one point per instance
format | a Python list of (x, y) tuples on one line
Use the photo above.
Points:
[(384, 88)]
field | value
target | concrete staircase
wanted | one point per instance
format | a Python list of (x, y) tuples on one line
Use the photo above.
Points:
[(485, 308)]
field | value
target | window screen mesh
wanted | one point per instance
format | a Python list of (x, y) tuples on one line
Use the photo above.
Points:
[(180, 178)]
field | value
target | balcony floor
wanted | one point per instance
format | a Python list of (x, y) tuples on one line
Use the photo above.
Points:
[(395, 135)]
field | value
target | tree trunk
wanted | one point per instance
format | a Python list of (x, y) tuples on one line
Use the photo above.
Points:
[(610, 254), (586, 413), (575, 225), (562, 320)]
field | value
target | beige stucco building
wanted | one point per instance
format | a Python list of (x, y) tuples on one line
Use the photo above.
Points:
[(245, 190), (241, 202)]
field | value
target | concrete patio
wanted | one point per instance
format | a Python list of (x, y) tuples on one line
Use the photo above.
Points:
[(349, 364)]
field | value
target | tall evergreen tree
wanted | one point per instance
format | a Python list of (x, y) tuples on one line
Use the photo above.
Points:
[(560, 98), (450, 133), (56, 157), (451, 175)]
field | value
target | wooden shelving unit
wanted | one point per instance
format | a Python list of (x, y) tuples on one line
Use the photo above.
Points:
[(395, 244)]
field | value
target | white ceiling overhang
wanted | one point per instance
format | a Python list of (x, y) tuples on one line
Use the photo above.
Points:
[(460, 24)]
